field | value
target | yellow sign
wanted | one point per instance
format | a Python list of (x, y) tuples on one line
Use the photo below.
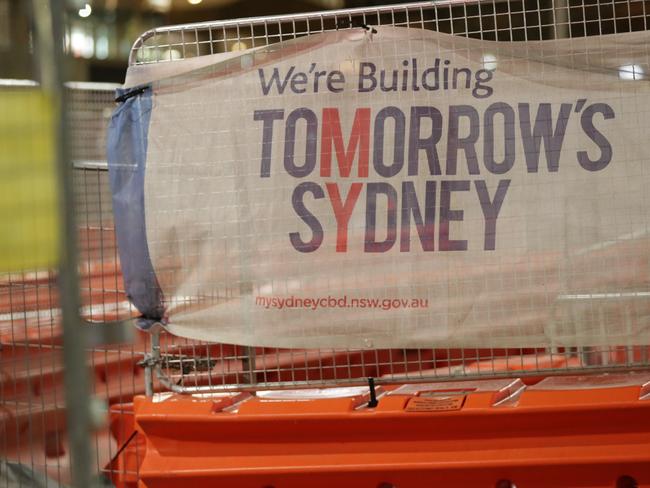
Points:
[(28, 191)]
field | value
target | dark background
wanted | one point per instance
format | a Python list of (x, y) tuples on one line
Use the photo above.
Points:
[(100, 33), (99, 42)]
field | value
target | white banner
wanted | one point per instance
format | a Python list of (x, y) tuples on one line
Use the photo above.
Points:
[(404, 189)]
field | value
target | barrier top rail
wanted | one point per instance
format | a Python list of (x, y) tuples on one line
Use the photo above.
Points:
[(74, 85), (501, 20)]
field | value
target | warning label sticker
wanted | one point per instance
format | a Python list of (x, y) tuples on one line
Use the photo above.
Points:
[(435, 404)]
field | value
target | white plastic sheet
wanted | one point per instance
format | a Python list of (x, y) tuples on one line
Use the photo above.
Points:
[(404, 189)]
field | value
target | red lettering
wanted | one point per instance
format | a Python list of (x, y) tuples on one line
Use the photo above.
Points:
[(359, 138), (343, 211)]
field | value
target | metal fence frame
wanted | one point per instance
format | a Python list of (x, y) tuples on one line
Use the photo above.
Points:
[(32, 404), (194, 367), (500, 20)]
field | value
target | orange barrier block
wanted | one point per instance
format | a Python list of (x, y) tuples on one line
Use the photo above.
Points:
[(125, 464), (499, 433)]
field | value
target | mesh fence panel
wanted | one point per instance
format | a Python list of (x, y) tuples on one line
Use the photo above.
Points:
[(495, 20), (197, 366), (31, 394), (32, 407)]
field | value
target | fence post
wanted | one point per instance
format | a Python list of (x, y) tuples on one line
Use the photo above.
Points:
[(48, 17), (151, 362)]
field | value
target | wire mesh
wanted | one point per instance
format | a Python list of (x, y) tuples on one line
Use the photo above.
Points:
[(493, 20), (89, 108), (198, 366), (32, 407), (32, 430)]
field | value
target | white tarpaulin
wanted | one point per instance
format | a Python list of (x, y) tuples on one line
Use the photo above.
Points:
[(402, 189)]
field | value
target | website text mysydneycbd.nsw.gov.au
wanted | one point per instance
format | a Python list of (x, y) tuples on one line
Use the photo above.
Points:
[(315, 303)]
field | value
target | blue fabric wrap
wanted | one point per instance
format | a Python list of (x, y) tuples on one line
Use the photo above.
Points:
[(127, 155)]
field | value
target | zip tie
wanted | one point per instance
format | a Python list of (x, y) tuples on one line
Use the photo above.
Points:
[(130, 94), (345, 23), (370, 29), (373, 394)]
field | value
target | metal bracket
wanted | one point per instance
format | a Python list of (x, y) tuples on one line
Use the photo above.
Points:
[(149, 361)]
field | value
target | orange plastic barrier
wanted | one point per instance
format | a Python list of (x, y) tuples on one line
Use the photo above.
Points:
[(566, 432), (123, 467)]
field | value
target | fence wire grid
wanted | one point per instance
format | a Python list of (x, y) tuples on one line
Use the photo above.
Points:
[(190, 366), (492, 20), (32, 407), (32, 430)]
